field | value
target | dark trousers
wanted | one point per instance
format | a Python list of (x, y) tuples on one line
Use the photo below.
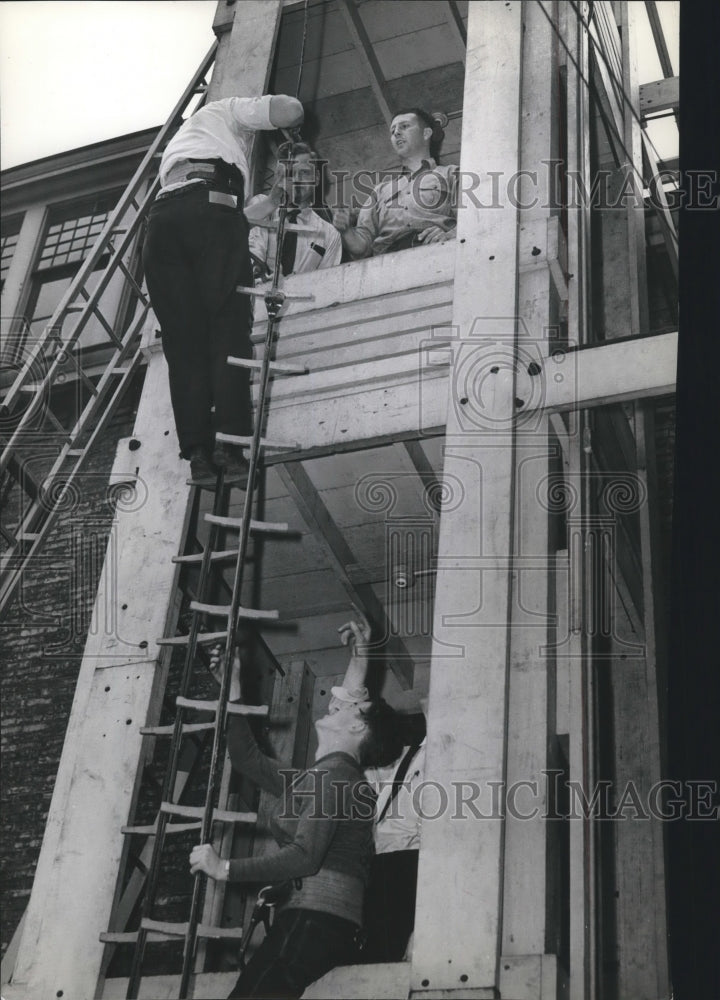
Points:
[(302, 946), (390, 906), (195, 254)]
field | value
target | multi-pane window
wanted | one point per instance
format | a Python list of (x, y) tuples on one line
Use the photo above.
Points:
[(68, 240), (71, 232), (8, 241)]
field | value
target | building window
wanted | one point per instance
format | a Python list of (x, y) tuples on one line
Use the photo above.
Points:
[(72, 230), (8, 241)]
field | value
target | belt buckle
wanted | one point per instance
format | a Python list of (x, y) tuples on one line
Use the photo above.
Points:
[(220, 198)]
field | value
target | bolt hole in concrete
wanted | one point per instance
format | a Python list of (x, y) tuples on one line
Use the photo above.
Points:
[(143, 644), (519, 403), (494, 370), (492, 258), (128, 722), (534, 368), (464, 978), (536, 251), (107, 687), (463, 401), (133, 444)]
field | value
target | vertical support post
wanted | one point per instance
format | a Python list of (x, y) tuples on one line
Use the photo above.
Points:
[(525, 890), (460, 871)]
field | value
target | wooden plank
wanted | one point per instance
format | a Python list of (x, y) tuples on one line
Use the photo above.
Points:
[(634, 139), (457, 27), (366, 51), (461, 863), (244, 56), (660, 95), (611, 373), (352, 982), (659, 37), (524, 887), (317, 518)]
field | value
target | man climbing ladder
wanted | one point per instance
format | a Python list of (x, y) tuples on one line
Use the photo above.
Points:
[(195, 255)]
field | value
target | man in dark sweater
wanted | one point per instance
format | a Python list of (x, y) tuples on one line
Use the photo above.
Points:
[(323, 825)]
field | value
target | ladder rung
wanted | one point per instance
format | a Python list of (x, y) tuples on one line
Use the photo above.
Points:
[(75, 452), (275, 366), (76, 308), (190, 727), (210, 931), (197, 557), (197, 812), (27, 536), (164, 927), (184, 640), (224, 609), (120, 370), (246, 442), (119, 937), (150, 831), (236, 522), (235, 708)]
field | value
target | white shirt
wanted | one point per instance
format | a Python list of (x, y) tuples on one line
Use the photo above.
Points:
[(399, 829), (220, 130), (319, 249)]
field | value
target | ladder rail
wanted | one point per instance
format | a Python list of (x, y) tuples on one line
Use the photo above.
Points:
[(153, 873), (37, 518), (127, 200), (244, 535), (42, 514)]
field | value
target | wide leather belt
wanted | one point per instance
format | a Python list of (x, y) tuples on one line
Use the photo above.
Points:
[(190, 170)]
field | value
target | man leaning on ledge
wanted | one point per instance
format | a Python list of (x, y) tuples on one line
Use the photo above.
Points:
[(414, 208)]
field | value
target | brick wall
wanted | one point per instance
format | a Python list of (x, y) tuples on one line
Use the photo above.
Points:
[(41, 645)]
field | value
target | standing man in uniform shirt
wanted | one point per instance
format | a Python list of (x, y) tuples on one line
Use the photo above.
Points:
[(414, 208), (320, 246), (389, 911), (195, 254)]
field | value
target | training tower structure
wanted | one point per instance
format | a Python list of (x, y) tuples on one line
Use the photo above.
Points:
[(479, 420)]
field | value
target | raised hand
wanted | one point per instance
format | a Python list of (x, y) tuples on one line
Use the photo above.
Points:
[(356, 634)]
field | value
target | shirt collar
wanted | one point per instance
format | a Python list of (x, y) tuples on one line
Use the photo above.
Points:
[(428, 164)]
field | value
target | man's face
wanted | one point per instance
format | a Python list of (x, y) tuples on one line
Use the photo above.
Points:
[(409, 137), (341, 715), (303, 180)]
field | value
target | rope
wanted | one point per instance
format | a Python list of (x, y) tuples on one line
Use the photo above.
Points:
[(302, 48)]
